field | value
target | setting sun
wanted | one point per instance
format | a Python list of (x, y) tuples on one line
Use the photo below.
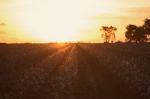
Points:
[(51, 20), (55, 20), (67, 20)]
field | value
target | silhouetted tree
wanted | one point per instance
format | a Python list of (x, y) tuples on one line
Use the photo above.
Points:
[(135, 33), (108, 33), (146, 27), (138, 33)]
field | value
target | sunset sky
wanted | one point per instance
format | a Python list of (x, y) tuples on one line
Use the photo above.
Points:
[(67, 20)]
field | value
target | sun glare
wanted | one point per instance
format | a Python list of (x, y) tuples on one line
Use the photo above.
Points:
[(51, 20), (56, 20)]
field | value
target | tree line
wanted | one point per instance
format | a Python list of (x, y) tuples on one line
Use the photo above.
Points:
[(133, 33)]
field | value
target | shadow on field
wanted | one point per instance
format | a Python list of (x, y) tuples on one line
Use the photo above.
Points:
[(96, 80)]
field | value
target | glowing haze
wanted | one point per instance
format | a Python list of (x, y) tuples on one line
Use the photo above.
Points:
[(67, 20)]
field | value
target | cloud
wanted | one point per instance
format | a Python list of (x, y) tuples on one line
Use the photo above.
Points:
[(6, 1), (2, 32), (109, 16), (2, 24), (126, 14), (139, 11)]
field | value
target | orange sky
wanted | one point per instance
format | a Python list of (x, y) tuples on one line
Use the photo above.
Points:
[(67, 20)]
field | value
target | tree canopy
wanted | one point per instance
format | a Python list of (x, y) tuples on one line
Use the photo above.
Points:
[(138, 33), (108, 33)]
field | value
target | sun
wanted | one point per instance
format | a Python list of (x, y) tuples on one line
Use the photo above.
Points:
[(50, 20), (57, 37), (55, 20)]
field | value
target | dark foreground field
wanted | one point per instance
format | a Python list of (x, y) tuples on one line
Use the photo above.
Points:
[(75, 71)]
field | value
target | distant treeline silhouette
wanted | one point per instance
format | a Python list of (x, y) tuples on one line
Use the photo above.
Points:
[(133, 33)]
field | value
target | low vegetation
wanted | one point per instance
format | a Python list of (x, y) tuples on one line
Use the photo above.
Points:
[(75, 71)]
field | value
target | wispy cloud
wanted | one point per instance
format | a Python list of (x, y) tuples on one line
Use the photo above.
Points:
[(2, 32), (126, 13), (2, 24), (140, 11), (109, 16)]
